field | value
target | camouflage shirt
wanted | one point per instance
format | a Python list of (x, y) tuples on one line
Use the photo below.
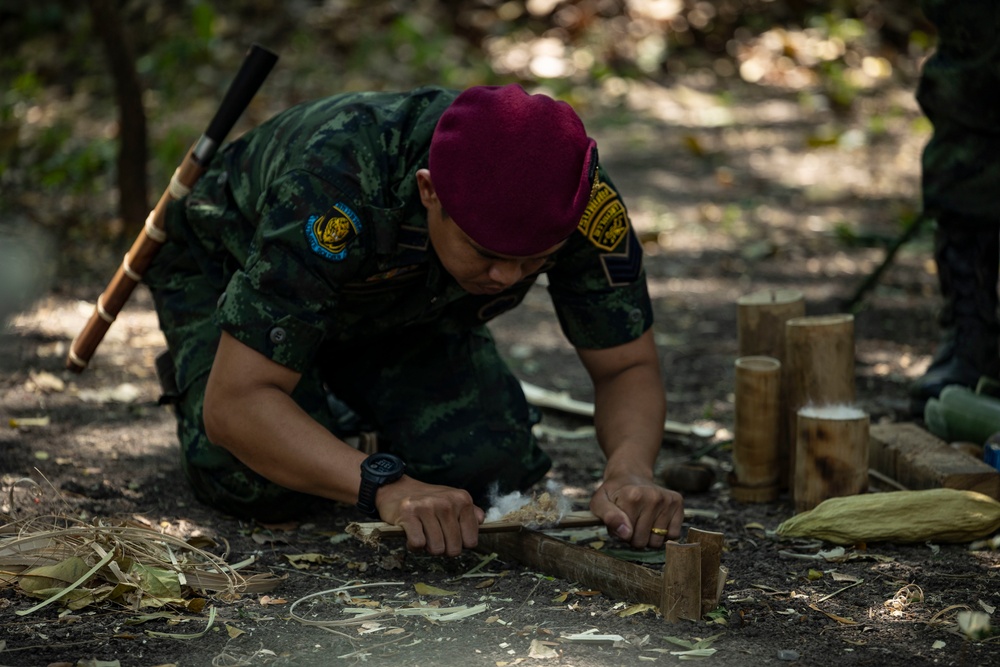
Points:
[(313, 224)]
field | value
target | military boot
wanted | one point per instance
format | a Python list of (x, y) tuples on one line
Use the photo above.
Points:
[(967, 261)]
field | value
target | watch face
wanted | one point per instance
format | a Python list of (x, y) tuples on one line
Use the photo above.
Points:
[(384, 465)]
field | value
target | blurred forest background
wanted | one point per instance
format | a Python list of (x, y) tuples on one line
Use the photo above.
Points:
[(101, 98)]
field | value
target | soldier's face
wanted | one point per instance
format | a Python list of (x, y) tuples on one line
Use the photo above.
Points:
[(476, 269)]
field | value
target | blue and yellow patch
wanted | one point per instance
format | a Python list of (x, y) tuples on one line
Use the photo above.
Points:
[(329, 234)]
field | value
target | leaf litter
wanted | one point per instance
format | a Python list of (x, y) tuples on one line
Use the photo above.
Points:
[(76, 564)]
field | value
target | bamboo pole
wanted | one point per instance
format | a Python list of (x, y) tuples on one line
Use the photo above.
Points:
[(761, 330), (818, 370), (761, 318), (831, 454), (757, 429)]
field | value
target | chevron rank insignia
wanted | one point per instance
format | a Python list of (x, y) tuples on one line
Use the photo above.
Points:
[(622, 268)]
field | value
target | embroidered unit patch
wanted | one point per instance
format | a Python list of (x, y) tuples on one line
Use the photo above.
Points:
[(330, 233), (605, 220)]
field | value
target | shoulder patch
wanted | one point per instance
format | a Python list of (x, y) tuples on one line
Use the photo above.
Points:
[(329, 234), (605, 220)]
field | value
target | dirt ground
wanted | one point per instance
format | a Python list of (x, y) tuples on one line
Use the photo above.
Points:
[(729, 199)]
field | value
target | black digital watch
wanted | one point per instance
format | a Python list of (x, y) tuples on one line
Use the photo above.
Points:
[(376, 470)]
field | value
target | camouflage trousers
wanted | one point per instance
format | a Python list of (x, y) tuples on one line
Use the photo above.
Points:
[(445, 402), (959, 92)]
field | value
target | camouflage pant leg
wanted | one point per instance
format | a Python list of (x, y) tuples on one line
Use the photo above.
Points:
[(447, 404), (185, 300), (960, 93)]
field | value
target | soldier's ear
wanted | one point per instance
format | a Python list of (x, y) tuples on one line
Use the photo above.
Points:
[(428, 195)]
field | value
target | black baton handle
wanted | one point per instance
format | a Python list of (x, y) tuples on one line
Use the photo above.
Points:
[(256, 66)]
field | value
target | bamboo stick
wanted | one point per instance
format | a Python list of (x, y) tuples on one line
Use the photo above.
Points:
[(713, 575), (761, 331), (757, 429), (371, 532), (761, 318), (681, 582), (818, 370), (560, 400)]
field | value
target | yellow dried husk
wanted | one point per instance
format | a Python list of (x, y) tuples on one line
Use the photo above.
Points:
[(935, 515)]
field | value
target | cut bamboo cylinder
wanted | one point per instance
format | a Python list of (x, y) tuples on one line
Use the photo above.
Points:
[(818, 370), (761, 318), (831, 454), (757, 429), (681, 582), (761, 329)]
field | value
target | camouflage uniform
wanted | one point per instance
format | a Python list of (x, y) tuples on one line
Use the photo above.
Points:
[(307, 241), (960, 93)]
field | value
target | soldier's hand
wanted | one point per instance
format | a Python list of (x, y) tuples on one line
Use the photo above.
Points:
[(437, 519), (638, 510)]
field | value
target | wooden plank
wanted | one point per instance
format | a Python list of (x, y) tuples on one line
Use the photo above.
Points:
[(375, 530), (372, 532), (918, 459), (615, 578)]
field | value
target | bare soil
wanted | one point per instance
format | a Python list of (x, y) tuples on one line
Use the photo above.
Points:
[(729, 200)]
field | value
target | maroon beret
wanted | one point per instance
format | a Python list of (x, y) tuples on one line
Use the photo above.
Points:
[(513, 170)]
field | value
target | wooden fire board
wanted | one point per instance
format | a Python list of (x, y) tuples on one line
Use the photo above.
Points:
[(918, 459)]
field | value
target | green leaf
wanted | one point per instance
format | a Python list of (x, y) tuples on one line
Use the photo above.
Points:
[(157, 582), (56, 576)]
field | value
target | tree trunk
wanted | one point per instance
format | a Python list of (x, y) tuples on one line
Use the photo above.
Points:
[(133, 152)]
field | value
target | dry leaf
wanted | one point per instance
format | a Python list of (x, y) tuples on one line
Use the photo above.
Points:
[(637, 609), (974, 624), (305, 561), (24, 422), (424, 589), (267, 599), (541, 650), (233, 632), (839, 619), (46, 382)]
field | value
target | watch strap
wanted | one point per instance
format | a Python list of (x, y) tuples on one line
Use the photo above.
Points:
[(366, 496)]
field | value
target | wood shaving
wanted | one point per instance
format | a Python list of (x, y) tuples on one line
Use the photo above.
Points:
[(543, 510)]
